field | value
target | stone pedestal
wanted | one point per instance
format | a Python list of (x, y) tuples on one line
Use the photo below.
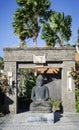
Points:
[(40, 117)]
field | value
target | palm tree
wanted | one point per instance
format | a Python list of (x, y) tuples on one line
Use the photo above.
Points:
[(49, 35), (28, 18), (58, 28)]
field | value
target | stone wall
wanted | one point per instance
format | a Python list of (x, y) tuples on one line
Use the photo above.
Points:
[(52, 54)]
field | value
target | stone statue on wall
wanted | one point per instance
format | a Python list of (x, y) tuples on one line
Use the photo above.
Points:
[(40, 96)]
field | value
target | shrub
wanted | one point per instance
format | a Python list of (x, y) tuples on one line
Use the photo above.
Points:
[(77, 99), (27, 81), (55, 104), (3, 90), (75, 75)]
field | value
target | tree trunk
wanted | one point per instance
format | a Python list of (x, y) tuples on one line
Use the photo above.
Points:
[(35, 39), (35, 33), (60, 41)]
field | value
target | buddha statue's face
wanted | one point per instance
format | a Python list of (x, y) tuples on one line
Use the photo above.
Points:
[(39, 83)]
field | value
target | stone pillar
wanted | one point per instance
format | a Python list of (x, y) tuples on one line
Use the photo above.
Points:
[(68, 88), (11, 98)]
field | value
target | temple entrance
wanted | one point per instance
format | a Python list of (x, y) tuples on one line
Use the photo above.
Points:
[(52, 79), (25, 82), (47, 58)]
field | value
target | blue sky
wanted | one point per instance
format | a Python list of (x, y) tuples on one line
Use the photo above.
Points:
[(7, 9)]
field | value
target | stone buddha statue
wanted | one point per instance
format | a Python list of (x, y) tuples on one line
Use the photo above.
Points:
[(40, 96)]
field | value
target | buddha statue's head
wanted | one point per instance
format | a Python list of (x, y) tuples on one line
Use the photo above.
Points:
[(39, 80)]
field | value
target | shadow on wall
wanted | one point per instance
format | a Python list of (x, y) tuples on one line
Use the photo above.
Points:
[(23, 104), (53, 82), (55, 89), (5, 105)]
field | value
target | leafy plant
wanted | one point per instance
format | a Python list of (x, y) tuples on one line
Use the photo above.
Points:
[(27, 81), (51, 102), (3, 90), (55, 104), (3, 83), (1, 63), (75, 75), (77, 99)]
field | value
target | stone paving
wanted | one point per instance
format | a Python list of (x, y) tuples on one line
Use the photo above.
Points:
[(67, 121)]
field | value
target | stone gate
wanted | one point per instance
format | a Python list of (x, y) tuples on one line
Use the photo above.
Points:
[(46, 57)]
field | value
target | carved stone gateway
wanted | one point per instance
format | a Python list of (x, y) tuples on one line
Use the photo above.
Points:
[(46, 57), (39, 59)]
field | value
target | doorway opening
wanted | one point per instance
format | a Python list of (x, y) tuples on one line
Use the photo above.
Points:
[(26, 78)]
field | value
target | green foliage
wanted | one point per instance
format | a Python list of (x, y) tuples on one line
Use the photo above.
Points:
[(55, 104), (58, 29), (3, 90), (28, 17), (1, 63), (51, 101), (3, 83), (27, 81), (77, 99), (49, 35), (75, 74), (22, 45)]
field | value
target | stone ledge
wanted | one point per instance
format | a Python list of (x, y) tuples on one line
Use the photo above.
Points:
[(40, 117), (38, 48)]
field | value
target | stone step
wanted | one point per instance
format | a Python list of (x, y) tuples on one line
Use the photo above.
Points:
[(19, 122)]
